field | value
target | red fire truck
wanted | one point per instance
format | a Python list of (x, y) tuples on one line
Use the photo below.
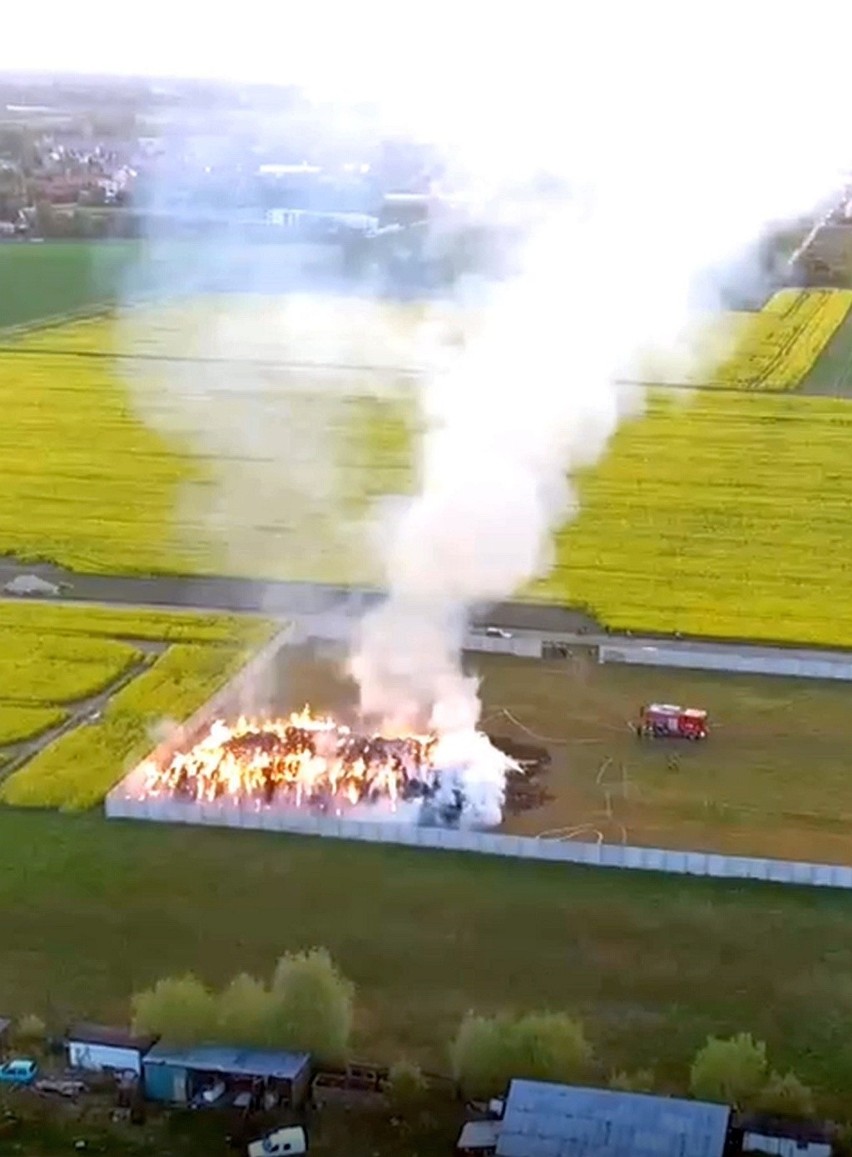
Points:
[(666, 721)]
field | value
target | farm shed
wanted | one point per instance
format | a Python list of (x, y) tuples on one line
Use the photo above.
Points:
[(96, 1047), (478, 1138), (545, 1120), (214, 1077), (787, 1137)]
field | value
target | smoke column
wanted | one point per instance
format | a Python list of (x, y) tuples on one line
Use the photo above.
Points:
[(677, 172), (683, 135)]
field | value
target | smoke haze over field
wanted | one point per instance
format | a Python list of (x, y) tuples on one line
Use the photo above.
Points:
[(684, 136)]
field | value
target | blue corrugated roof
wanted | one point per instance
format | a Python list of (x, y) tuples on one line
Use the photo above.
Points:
[(544, 1120), (240, 1062)]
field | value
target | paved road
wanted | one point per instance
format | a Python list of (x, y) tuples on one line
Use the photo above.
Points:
[(329, 612)]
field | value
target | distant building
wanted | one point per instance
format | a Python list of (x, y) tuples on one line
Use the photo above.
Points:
[(548, 1120)]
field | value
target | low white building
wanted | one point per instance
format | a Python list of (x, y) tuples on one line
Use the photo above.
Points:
[(96, 1048), (785, 1137), (785, 1146)]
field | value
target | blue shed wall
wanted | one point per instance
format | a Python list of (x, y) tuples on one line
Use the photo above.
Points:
[(162, 1080)]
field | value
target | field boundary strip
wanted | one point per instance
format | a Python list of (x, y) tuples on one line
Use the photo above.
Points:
[(57, 320), (411, 372), (600, 855)]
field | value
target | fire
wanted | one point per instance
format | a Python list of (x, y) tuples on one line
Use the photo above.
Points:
[(304, 760)]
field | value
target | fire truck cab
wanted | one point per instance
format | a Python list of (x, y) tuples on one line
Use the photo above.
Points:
[(666, 721)]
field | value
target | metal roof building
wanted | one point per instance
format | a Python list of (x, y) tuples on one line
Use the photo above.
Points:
[(175, 1075), (235, 1062), (545, 1120)]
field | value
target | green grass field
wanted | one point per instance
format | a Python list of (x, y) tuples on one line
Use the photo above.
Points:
[(772, 780), (43, 279), (93, 909)]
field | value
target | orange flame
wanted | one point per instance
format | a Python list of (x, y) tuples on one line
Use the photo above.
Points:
[(304, 760)]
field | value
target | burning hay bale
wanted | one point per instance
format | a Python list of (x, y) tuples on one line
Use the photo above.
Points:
[(317, 764)]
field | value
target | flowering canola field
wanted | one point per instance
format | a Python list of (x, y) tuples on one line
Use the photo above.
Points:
[(52, 657), (722, 512), (730, 515), (774, 349)]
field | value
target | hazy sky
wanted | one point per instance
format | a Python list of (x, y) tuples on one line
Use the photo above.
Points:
[(265, 40), (537, 77), (385, 43)]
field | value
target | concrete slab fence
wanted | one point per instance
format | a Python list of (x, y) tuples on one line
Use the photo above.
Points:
[(123, 801), (231, 815)]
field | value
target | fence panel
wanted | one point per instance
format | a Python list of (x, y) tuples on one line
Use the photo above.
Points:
[(486, 843), (730, 660)]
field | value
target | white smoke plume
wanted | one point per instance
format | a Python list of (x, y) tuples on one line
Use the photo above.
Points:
[(684, 143), (684, 135)]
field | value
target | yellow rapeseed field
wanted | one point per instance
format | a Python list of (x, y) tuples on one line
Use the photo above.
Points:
[(770, 350), (729, 516), (71, 653), (722, 514)]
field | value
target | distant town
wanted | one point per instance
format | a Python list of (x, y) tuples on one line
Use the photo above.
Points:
[(101, 159)]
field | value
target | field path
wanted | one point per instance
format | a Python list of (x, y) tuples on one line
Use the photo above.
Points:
[(82, 710)]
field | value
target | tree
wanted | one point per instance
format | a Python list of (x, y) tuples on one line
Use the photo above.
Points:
[(731, 1071), (407, 1087), (312, 1005), (640, 1081), (489, 1051), (786, 1096), (244, 1014), (180, 1009), (30, 1031)]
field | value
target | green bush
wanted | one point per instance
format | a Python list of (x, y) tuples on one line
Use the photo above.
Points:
[(731, 1071), (407, 1087), (786, 1096), (640, 1081), (312, 1005), (30, 1031), (181, 1010), (489, 1051)]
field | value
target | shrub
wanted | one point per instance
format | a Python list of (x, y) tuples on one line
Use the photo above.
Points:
[(30, 1030), (182, 1010), (640, 1081), (244, 1014), (786, 1096), (407, 1087), (731, 1071), (312, 1005), (489, 1051)]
